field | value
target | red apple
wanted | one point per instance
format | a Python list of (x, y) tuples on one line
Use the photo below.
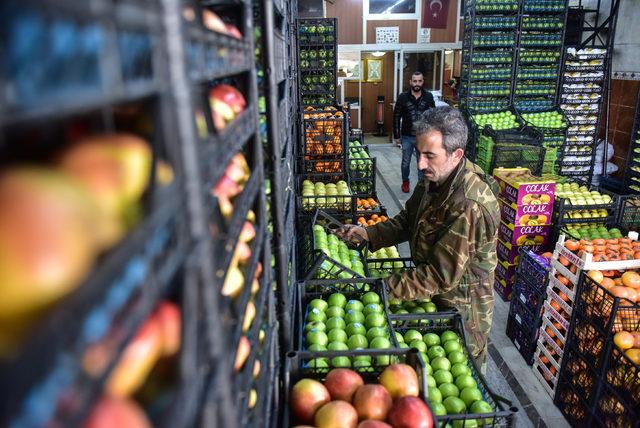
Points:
[(342, 384), (230, 96), (112, 412), (372, 402), (336, 414), (47, 244), (233, 31), (244, 348), (373, 424), (410, 412), (213, 22), (307, 396), (400, 380), (221, 112), (137, 360), (169, 316)]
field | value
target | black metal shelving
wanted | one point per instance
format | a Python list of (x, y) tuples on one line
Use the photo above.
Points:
[(159, 56)]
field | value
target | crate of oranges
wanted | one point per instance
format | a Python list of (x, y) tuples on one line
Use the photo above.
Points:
[(369, 219), (323, 132), (368, 205)]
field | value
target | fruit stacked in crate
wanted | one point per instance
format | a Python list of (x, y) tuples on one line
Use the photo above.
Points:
[(528, 296), (577, 205), (384, 386), (457, 392), (598, 384), (599, 258), (362, 169), (323, 149), (526, 208)]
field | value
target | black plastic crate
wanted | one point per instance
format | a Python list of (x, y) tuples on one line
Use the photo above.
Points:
[(322, 289), (587, 340), (580, 375), (383, 268), (522, 340), (526, 319), (380, 215), (525, 135), (324, 132), (321, 164), (623, 375), (368, 204), (562, 208), (363, 186), (629, 212), (527, 294), (504, 415), (309, 32), (313, 263), (613, 411), (300, 365), (606, 311), (513, 156), (339, 204), (532, 269), (360, 168), (573, 406)]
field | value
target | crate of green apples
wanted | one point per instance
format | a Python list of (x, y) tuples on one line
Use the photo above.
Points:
[(342, 315), (325, 256), (385, 388), (457, 392), (386, 262), (326, 191)]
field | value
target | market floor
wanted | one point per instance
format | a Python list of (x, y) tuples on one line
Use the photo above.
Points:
[(507, 373)]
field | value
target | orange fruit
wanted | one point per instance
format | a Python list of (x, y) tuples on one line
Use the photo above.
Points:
[(631, 279), (596, 275), (571, 245), (634, 355), (623, 340)]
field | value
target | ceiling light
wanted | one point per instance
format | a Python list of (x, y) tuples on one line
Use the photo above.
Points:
[(378, 53)]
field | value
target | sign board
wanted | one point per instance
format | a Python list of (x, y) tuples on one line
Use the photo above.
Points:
[(387, 35)]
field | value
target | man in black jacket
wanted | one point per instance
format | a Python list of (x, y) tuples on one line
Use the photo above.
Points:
[(409, 107)]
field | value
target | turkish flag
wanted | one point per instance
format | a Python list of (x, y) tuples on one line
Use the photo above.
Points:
[(434, 13)]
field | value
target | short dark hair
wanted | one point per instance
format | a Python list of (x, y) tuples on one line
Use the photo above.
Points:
[(449, 122), (415, 73)]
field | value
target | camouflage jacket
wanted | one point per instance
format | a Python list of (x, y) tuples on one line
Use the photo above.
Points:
[(452, 235)]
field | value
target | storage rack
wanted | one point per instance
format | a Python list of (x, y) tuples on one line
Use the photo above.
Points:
[(490, 37), (632, 170), (317, 61), (583, 86), (539, 54), (169, 252)]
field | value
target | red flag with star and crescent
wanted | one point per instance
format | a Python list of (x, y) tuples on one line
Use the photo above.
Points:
[(435, 13)]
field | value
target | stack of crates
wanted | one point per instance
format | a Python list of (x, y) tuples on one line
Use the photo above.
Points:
[(567, 269), (599, 383), (526, 208), (525, 311)]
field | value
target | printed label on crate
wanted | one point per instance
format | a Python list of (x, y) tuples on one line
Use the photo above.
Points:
[(525, 215), (511, 253), (531, 193), (524, 235), (506, 271), (563, 304)]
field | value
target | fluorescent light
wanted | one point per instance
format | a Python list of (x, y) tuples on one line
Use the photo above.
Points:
[(378, 53)]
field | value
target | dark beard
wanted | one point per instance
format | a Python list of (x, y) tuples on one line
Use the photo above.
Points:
[(417, 88)]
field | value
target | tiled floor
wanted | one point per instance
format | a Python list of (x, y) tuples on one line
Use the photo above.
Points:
[(507, 373)]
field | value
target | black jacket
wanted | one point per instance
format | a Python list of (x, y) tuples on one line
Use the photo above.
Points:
[(408, 109)]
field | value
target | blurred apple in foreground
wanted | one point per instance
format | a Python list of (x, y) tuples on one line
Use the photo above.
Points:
[(111, 412)]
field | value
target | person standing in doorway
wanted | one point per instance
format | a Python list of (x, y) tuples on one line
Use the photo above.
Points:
[(409, 107)]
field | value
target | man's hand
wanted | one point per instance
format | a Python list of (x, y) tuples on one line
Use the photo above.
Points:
[(352, 233), (397, 141)]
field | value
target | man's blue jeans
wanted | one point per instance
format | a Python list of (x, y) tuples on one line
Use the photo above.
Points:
[(408, 148)]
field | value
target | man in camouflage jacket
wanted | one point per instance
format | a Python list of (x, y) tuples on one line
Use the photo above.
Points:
[(451, 222)]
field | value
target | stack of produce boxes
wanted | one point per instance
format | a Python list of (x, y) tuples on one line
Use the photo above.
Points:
[(598, 382), (526, 207), (529, 294), (598, 256)]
